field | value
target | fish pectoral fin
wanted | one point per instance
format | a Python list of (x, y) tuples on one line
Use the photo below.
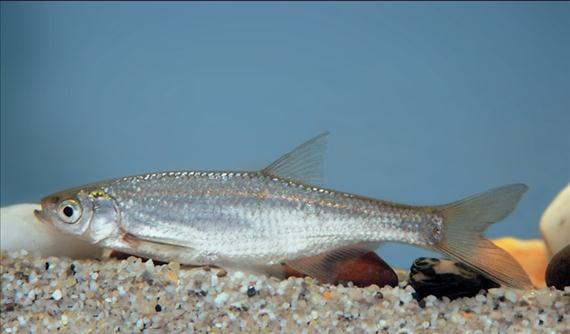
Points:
[(304, 163), (135, 240), (323, 266), (156, 249)]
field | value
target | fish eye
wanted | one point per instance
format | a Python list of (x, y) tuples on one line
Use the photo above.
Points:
[(69, 211)]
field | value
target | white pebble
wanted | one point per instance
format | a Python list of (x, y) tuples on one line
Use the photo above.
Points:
[(499, 292), (214, 280), (32, 278), (149, 266), (480, 298), (314, 315), (238, 275), (405, 297), (545, 298), (56, 295), (221, 298), (282, 287), (511, 296), (457, 318), (430, 300)]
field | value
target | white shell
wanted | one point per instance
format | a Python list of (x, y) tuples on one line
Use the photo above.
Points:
[(21, 230), (555, 222)]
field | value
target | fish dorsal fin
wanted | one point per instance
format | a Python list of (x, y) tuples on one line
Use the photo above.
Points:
[(322, 266), (305, 163)]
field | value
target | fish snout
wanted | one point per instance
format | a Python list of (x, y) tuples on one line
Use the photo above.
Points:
[(40, 215), (47, 204)]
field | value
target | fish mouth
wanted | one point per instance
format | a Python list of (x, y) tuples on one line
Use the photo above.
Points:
[(45, 204), (41, 216)]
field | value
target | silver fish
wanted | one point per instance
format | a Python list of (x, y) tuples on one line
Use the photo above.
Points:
[(275, 216)]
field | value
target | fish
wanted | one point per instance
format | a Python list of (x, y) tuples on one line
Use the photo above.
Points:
[(279, 215)]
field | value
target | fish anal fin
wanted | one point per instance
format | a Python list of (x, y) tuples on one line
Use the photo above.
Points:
[(325, 266), (304, 163)]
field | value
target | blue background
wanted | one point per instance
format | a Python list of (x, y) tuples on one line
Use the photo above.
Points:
[(426, 103)]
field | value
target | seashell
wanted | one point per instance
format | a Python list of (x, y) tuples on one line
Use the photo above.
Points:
[(21, 230), (531, 254), (446, 278), (555, 222)]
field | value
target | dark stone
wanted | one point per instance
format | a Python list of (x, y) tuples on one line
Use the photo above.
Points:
[(71, 271), (20, 275), (446, 278), (251, 291), (158, 308), (558, 270), (9, 307), (422, 303)]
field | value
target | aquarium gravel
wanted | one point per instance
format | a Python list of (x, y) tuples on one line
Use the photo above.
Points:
[(52, 294)]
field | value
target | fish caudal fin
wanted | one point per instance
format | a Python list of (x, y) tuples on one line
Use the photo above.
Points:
[(464, 223)]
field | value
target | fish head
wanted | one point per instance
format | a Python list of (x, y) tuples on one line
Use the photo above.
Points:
[(88, 213)]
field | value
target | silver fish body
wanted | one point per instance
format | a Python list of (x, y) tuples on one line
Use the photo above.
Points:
[(273, 216), (260, 219)]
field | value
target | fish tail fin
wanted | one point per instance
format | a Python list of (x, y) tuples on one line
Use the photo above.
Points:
[(464, 222)]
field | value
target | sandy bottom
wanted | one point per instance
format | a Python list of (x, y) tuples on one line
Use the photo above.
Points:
[(80, 296)]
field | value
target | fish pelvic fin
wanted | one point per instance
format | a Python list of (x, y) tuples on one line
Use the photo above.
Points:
[(322, 266), (464, 223), (305, 163)]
